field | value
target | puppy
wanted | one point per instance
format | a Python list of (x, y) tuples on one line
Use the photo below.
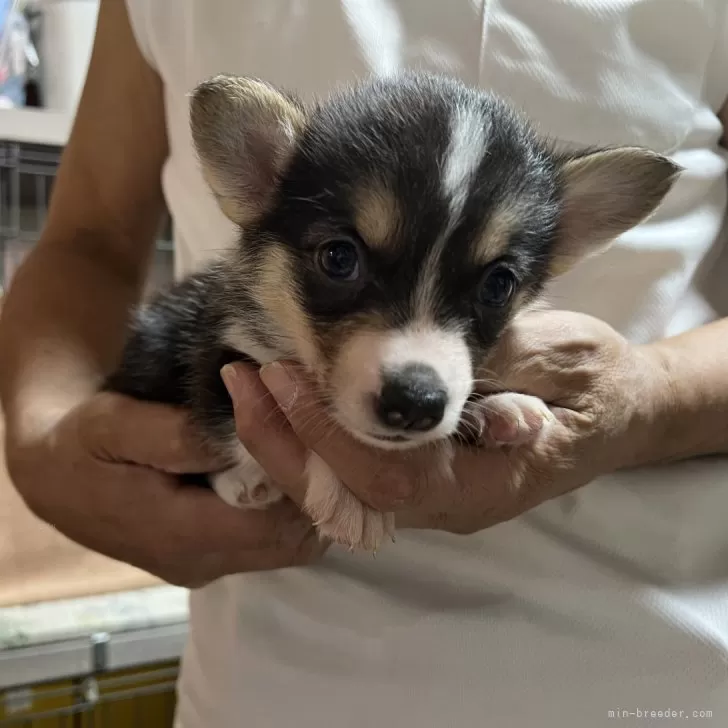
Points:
[(387, 237)]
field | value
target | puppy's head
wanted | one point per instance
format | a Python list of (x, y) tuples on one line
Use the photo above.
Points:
[(391, 232)]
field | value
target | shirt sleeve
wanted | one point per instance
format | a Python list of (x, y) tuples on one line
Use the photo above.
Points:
[(138, 12)]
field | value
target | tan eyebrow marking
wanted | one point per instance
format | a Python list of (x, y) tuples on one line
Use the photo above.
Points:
[(377, 215), (493, 241)]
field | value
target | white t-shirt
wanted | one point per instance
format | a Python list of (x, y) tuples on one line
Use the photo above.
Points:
[(613, 598)]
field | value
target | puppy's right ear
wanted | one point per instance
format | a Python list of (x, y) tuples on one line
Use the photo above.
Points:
[(244, 132)]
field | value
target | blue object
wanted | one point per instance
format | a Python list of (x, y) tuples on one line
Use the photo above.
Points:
[(14, 44)]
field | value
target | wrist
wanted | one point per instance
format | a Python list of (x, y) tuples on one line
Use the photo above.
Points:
[(650, 406), (681, 411)]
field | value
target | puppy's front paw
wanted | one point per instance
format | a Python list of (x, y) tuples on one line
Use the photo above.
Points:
[(514, 419), (339, 515), (246, 484)]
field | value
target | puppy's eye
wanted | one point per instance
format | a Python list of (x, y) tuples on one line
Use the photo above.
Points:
[(339, 259), (497, 287)]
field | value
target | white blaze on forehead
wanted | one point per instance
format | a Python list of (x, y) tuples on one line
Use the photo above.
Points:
[(463, 156), (366, 357)]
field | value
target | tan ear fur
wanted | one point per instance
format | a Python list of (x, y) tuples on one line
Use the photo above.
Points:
[(244, 132), (605, 193)]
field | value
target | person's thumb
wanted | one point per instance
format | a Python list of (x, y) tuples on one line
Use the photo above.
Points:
[(117, 428), (554, 355), (526, 358)]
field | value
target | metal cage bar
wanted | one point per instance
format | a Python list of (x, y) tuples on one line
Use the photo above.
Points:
[(27, 173)]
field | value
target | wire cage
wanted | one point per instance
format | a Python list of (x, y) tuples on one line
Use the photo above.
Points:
[(27, 173), (142, 697)]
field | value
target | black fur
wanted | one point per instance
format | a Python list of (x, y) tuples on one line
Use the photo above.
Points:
[(397, 133), (174, 352)]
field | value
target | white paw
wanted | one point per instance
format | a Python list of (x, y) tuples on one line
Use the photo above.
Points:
[(246, 484), (339, 515), (515, 419)]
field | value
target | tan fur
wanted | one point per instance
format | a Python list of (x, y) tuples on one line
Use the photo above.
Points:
[(561, 265), (605, 193), (276, 292), (333, 337), (424, 302), (494, 240), (339, 515), (230, 206), (244, 132), (377, 215), (489, 246)]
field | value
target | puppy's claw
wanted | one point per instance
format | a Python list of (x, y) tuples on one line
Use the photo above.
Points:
[(389, 526)]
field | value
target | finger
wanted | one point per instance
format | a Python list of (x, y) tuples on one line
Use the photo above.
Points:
[(198, 521), (188, 534), (375, 476), (117, 428), (203, 521), (512, 360), (265, 432), (542, 353), (212, 566), (489, 486), (234, 540)]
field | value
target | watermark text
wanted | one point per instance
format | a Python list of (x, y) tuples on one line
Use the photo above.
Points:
[(664, 714)]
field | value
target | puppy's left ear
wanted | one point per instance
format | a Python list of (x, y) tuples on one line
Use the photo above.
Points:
[(604, 193), (244, 132)]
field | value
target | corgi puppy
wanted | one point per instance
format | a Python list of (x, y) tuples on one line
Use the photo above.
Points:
[(387, 237)]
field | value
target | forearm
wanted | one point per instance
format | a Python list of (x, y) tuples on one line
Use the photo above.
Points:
[(62, 326), (64, 318), (690, 415)]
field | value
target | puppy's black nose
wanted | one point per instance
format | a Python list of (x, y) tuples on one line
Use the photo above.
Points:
[(412, 398)]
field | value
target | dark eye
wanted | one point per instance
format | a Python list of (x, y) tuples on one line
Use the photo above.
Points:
[(497, 287), (339, 259)]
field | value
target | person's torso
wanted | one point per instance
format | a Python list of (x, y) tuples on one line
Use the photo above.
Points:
[(611, 589)]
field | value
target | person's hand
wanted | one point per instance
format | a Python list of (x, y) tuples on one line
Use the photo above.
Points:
[(106, 478), (602, 392)]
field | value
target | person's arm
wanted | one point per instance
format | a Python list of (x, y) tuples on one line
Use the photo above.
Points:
[(98, 466), (693, 416), (64, 317)]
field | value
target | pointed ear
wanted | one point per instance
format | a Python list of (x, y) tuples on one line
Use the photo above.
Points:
[(244, 132), (605, 193)]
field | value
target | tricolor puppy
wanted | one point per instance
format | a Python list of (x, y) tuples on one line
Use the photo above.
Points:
[(387, 237)]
